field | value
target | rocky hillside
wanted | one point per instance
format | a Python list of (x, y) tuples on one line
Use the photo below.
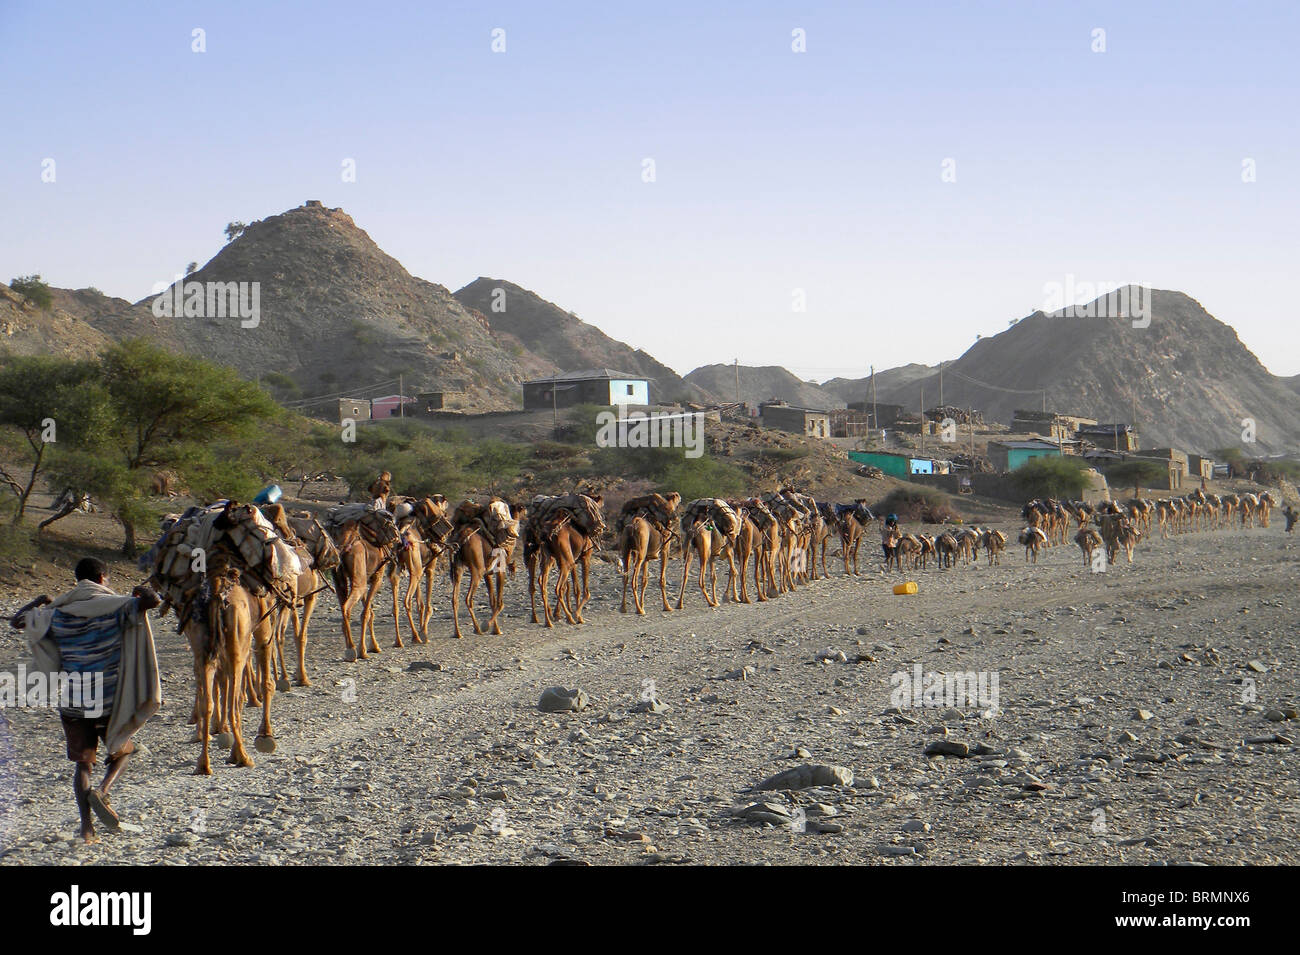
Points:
[(1188, 374), (762, 384), (550, 334), (336, 313), (893, 379), (62, 329)]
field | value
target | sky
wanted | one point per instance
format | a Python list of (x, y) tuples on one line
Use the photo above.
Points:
[(918, 175)]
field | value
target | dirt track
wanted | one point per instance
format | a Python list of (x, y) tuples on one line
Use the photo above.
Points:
[(418, 759)]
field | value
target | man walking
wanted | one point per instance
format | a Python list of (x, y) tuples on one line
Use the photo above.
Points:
[(92, 635)]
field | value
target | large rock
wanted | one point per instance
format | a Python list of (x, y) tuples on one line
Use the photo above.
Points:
[(802, 777), (556, 699)]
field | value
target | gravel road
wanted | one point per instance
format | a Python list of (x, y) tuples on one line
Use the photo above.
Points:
[(1125, 702)]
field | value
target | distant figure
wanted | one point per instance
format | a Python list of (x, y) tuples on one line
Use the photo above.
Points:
[(381, 488), (1291, 515)]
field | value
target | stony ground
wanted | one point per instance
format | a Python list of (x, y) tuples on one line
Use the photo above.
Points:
[(1121, 735)]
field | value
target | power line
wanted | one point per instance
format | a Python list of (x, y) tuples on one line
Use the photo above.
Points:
[(985, 384), (350, 393)]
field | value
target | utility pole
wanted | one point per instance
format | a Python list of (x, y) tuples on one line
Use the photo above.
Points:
[(923, 418), (555, 410), (940, 384), (401, 397), (737, 381), (875, 421)]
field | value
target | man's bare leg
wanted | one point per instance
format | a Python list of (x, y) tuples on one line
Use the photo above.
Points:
[(81, 786), (98, 798)]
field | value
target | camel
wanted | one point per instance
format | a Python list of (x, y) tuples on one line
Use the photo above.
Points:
[(1118, 531), (407, 560), (638, 543), (704, 539), (852, 521), (304, 531), (946, 548), (767, 548), (909, 548), (995, 542), (1266, 504), (1032, 538), (1088, 540), (560, 542), (428, 516), (747, 544), (1249, 505), (358, 577), (473, 551), (239, 627)]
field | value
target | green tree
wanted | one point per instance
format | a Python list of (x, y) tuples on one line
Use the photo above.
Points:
[(1053, 476), (234, 230), (162, 410), (47, 400), (31, 288), (1137, 474)]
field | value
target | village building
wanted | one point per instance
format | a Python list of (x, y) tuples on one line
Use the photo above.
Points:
[(1055, 427), (592, 386), (809, 422), (354, 409), (1200, 466), (1009, 455), (1177, 461), (1115, 437), (390, 406)]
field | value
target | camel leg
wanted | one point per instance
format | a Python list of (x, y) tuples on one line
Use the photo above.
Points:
[(455, 597), (395, 581), (204, 672), (686, 572), (495, 596), (531, 564), (237, 655), (628, 572), (413, 597), (262, 637), (300, 624), (663, 578), (368, 615), (474, 578)]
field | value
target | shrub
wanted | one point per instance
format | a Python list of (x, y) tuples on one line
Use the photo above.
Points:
[(1051, 477), (35, 291), (918, 504)]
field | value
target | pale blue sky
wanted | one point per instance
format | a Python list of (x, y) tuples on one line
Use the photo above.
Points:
[(775, 170)]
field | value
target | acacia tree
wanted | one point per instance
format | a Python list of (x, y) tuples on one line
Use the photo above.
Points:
[(159, 410), (1138, 474), (47, 400)]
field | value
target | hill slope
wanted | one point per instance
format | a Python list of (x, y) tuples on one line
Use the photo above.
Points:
[(892, 379), (336, 313), (551, 334), (1188, 374), (761, 384), (62, 329)]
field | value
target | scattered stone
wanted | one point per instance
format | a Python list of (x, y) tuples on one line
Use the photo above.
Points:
[(1143, 715), (745, 673), (416, 665), (557, 699), (948, 747), (802, 777), (1257, 666), (651, 706)]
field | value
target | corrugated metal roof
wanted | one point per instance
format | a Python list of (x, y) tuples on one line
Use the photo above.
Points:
[(589, 374)]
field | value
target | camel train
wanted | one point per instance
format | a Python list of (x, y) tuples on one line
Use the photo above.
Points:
[(236, 612)]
